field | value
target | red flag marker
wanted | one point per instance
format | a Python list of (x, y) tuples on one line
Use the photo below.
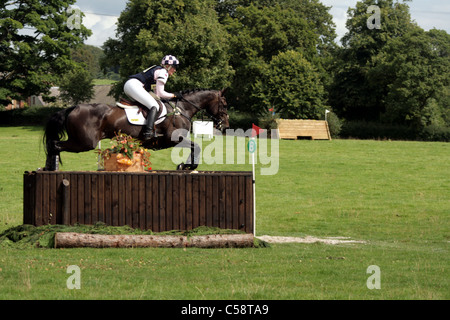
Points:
[(256, 130)]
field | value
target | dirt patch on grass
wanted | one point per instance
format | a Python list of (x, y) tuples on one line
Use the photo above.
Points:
[(309, 239)]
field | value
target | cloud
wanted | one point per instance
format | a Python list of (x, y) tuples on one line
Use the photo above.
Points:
[(101, 16), (103, 27), (339, 18), (427, 14), (105, 7), (430, 19)]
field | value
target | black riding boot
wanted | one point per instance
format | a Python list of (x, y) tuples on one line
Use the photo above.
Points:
[(149, 131)]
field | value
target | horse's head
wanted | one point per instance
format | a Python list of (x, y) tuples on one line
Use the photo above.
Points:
[(217, 108), (212, 101)]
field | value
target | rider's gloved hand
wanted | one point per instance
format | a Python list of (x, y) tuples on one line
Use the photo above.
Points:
[(177, 96)]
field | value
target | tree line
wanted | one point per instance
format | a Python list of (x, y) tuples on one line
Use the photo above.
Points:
[(275, 56)]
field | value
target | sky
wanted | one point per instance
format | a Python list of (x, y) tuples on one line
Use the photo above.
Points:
[(101, 16)]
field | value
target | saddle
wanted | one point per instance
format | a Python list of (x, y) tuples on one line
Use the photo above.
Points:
[(137, 113), (127, 104)]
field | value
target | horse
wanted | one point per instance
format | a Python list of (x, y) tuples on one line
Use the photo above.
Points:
[(86, 124)]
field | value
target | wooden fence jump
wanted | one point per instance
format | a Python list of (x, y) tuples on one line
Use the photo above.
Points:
[(298, 129), (158, 201)]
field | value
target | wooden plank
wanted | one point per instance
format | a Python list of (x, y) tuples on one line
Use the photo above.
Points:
[(188, 212), (222, 202), (195, 201), (45, 200), (115, 199), (94, 198), (162, 202), (80, 198), (235, 202), (141, 201), (65, 192), (241, 200), (176, 202), (182, 202), (148, 203), (53, 196), (228, 202), (29, 198), (134, 200), (155, 197), (121, 199), (215, 202), (73, 198), (209, 200), (101, 198), (87, 199), (128, 201), (249, 204), (202, 200), (108, 199), (169, 203)]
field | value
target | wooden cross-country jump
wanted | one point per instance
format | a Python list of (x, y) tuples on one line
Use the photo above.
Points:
[(303, 129), (157, 200)]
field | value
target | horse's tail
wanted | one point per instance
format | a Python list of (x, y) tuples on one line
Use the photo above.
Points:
[(55, 130)]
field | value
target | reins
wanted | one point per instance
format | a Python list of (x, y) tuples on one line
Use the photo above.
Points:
[(213, 118), (176, 112)]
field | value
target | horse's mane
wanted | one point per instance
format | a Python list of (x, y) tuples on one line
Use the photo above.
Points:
[(195, 90)]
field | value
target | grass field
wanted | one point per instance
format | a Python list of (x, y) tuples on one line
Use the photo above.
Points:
[(393, 195)]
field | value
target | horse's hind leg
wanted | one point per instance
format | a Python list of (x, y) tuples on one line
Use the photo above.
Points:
[(53, 157), (70, 145), (75, 146)]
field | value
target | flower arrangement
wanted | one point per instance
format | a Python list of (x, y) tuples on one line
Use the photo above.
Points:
[(125, 148)]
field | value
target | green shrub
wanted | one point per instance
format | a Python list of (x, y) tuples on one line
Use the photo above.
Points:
[(435, 133), (381, 131), (27, 116), (377, 131), (334, 124), (241, 120)]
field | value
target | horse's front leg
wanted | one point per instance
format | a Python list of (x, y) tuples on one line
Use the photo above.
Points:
[(194, 157)]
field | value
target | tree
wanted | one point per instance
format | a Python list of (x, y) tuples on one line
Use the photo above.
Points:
[(35, 44), (419, 65), (76, 86), (354, 93), (147, 30), (398, 74), (261, 30), (293, 87)]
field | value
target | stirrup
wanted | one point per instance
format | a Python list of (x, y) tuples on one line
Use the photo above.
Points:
[(149, 135)]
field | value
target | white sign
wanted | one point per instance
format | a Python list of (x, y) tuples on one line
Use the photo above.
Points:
[(203, 127)]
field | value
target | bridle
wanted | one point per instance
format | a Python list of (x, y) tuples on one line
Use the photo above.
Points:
[(217, 121)]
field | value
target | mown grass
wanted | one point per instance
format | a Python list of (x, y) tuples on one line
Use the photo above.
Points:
[(394, 195)]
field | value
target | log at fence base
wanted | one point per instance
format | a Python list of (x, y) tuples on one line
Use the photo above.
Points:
[(80, 240), (222, 241)]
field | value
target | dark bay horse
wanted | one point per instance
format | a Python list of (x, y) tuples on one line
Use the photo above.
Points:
[(87, 124)]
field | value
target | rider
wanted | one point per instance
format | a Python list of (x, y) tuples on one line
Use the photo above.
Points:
[(139, 84)]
